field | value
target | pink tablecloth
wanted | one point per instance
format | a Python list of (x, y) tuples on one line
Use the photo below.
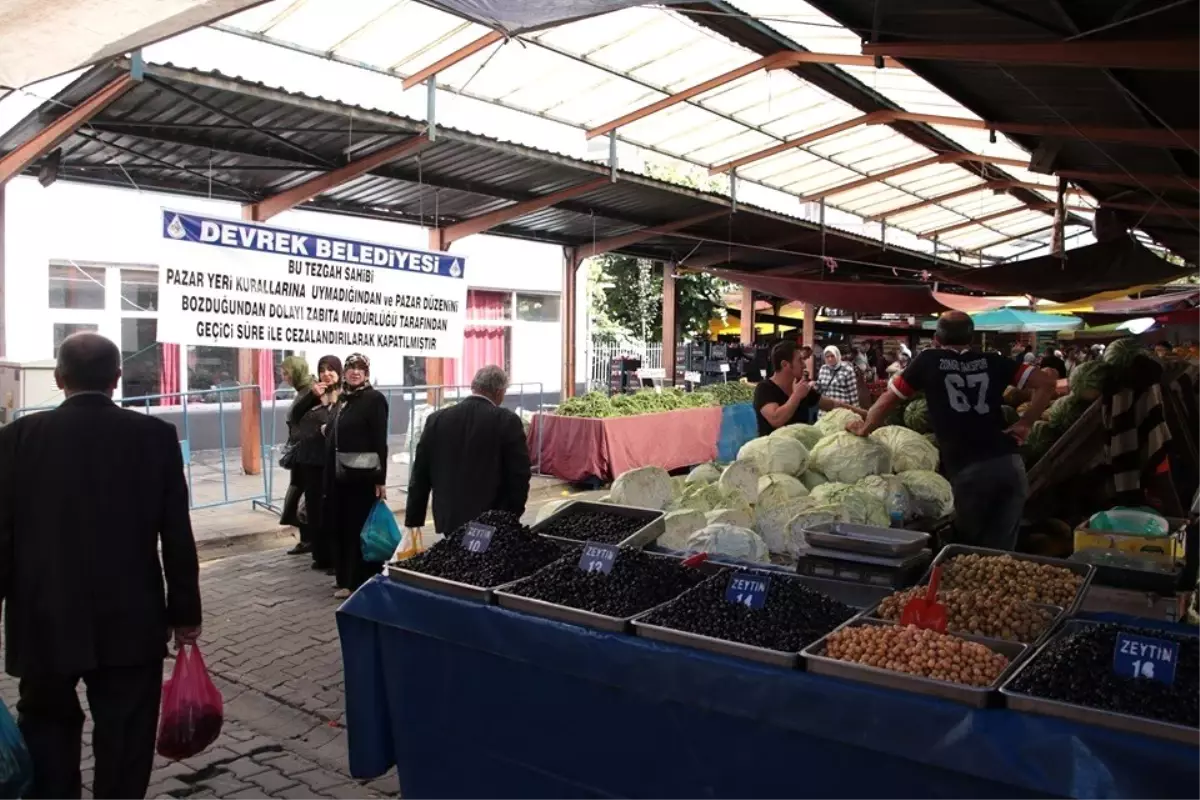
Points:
[(575, 449)]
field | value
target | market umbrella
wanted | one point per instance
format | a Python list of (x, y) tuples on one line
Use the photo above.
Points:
[(1012, 320)]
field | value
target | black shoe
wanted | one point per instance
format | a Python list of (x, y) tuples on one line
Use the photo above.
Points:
[(300, 549)]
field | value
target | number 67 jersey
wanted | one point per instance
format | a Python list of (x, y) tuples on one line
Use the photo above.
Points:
[(965, 392)]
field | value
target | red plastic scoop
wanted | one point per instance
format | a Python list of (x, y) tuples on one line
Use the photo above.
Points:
[(695, 560), (926, 612)]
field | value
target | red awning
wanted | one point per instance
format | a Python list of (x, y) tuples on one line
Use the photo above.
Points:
[(864, 298)]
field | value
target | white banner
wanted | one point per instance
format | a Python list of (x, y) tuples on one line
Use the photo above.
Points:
[(228, 283)]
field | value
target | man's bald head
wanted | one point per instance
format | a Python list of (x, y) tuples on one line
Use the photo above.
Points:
[(954, 329), (87, 362)]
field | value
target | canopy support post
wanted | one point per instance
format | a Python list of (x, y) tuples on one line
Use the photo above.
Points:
[(571, 262), (809, 333), (250, 425), (747, 321), (670, 300)]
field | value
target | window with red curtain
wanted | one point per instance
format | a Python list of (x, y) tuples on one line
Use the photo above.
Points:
[(485, 344)]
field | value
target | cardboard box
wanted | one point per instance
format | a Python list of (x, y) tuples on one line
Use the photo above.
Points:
[(1168, 548)]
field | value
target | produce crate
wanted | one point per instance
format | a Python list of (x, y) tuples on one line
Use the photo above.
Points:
[(816, 661), (467, 591), (872, 613), (1091, 716), (1086, 570), (654, 526)]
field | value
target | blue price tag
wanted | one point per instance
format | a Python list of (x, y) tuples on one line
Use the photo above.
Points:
[(747, 590), (478, 537), (598, 557), (1144, 657)]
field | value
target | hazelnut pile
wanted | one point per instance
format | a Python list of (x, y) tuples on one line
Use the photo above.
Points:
[(917, 651), (996, 616), (1030, 581)]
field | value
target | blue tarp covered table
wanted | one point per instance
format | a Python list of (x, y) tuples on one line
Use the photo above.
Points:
[(471, 700), (738, 426)]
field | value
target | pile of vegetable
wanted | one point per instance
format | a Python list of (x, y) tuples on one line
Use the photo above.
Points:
[(729, 393), (1077, 668), (792, 616), (513, 552), (637, 582), (646, 401)]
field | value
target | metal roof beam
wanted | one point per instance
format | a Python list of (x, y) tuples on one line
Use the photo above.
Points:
[(1150, 137), (1160, 209), (268, 207), (932, 201), (799, 141), (58, 131), (462, 53), (783, 60), (451, 233), (997, 215), (876, 178), (603, 246), (1146, 179), (1169, 54)]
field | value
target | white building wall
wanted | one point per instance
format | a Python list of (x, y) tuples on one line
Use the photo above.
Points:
[(76, 222)]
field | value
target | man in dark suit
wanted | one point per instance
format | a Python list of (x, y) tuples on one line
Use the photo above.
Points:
[(87, 491), (472, 456)]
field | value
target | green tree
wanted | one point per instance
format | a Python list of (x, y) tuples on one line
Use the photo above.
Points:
[(629, 297)]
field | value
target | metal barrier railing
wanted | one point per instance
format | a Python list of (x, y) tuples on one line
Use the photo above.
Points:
[(208, 408)]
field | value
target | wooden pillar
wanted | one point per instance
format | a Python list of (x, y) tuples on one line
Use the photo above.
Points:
[(747, 332), (670, 301), (809, 332), (570, 280), (251, 404)]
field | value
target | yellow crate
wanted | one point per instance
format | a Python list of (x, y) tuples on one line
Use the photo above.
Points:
[(1167, 548)]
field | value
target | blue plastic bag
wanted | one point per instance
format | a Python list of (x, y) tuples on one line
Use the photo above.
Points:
[(738, 426), (16, 769), (380, 534)]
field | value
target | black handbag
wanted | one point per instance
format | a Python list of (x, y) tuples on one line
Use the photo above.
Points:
[(354, 467), (290, 514), (287, 455)]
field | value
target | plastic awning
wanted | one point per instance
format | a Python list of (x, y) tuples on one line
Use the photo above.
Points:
[(857, 296), (516, 16), (44, 39)]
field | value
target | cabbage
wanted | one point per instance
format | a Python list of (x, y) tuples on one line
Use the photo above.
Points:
[(735, 499), (549, 508), (703, 498), (908, 449), (678, 486), (1065, 411), (604, 499), (792, 486), (730, 541), (810, 512), (644, 487), (737, 517), (776, 507), (812, 479), (835, 421), (775, 454), (679, 526), (741, 476), (857, 505), (916, 415), (847, 458), (890, 490), (807, 435), (931, 493), (705, 473)]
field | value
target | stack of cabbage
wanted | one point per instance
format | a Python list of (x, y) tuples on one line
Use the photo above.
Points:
[(799, 476)]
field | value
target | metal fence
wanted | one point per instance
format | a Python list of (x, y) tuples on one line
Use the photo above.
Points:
[(601, 354), (208, 423)]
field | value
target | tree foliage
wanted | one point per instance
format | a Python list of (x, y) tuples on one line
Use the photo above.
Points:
[(631, 298)]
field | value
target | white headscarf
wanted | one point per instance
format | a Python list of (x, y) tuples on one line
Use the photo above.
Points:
[(837, 354)]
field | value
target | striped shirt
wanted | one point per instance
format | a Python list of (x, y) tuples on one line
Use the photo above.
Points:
[(838, 383)]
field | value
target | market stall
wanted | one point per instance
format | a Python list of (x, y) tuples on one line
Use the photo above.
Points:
[(470, 699)]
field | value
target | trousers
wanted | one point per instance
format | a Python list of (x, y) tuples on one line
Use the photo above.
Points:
[(989, 499), (124, 703), (310, 478)]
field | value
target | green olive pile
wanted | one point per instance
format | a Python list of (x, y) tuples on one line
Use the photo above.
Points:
[(1030, 581), (917, 651), (996, 616)]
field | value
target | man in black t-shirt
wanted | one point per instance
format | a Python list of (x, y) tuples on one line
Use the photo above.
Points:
[(787, 399), (965, 392)]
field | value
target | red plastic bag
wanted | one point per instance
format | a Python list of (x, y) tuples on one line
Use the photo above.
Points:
[(192, 710)]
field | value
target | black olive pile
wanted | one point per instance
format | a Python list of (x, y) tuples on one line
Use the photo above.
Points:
[(792, 617), (1078, 669), (513, 553), (636, 582), (592, 526)]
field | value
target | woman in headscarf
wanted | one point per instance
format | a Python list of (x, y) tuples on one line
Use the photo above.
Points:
[(355, 470), (837, 380), (306, 421)]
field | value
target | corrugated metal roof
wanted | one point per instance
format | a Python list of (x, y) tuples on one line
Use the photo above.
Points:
[(589, 72), (207, 134)]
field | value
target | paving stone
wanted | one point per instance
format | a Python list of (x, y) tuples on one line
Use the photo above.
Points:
[(319, 779), (388, 784), (164, 786), (272, 781), (244, 767)]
